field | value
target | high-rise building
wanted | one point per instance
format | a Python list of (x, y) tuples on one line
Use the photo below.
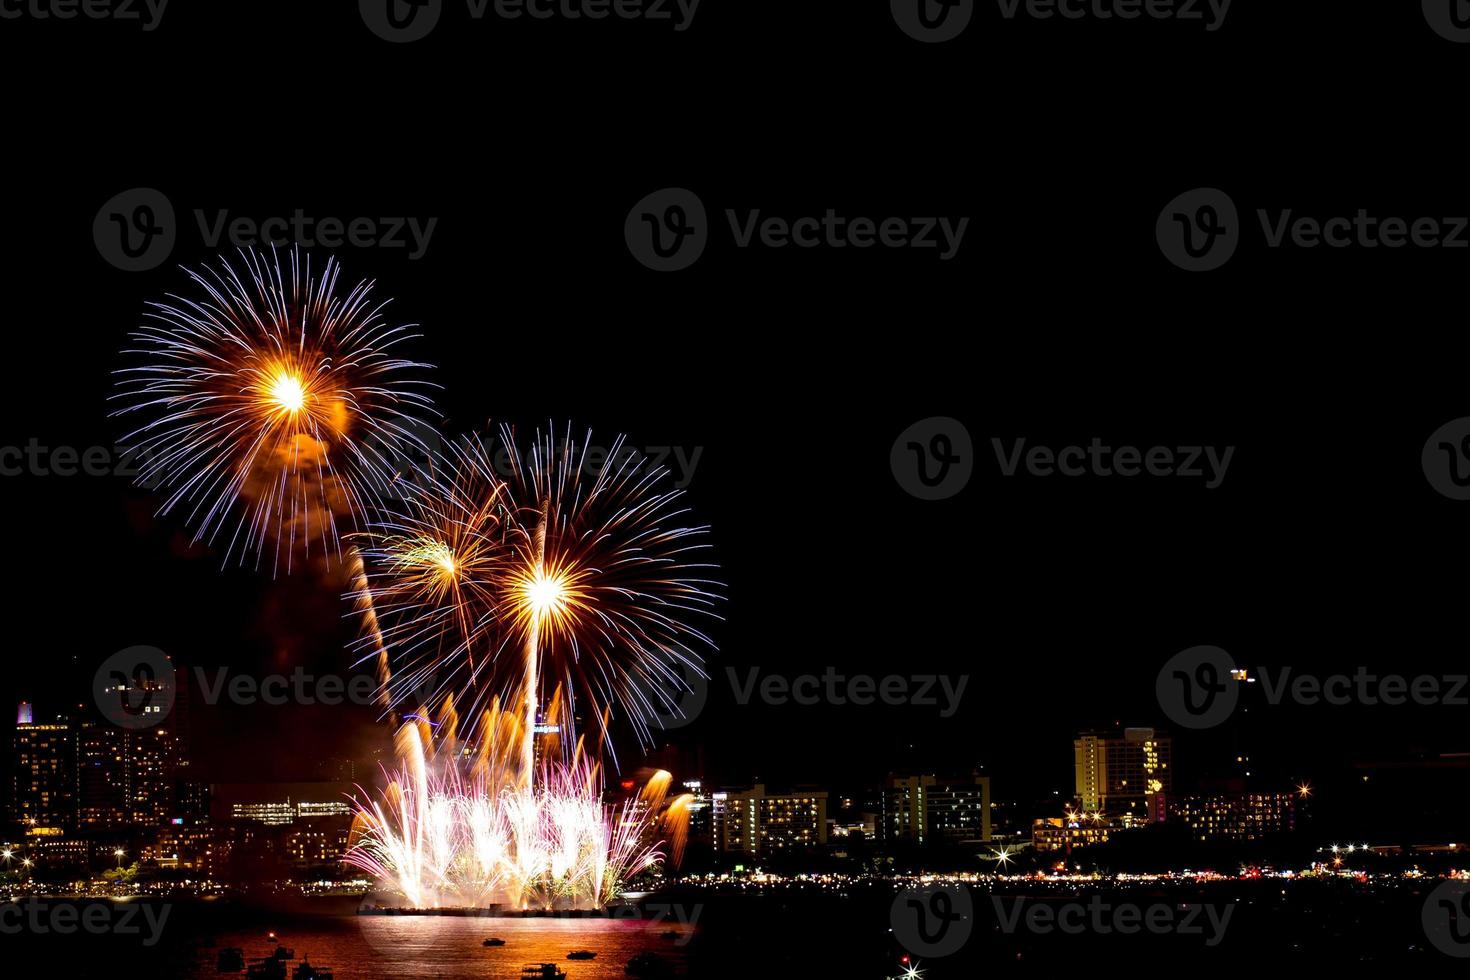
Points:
[(126, 777), (1131, 774), (756, 822), (102, 790), (43, 783), (1235, 814), (701, 815), (930, 809)]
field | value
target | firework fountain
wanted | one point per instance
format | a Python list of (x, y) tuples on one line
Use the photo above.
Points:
[(273, 408)]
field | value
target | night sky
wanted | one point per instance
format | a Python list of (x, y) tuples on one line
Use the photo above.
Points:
[(793, 372)]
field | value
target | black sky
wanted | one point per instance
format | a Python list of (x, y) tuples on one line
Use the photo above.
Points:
[(793, 372)]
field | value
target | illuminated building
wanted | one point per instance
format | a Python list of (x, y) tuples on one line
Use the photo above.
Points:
[(43, 785), (199, 847), (701, 814), (279, 804), (1132, 774), (929, 809), (317, 840), (1235, 815), (1065, 833), (756, 822), (125, 777)]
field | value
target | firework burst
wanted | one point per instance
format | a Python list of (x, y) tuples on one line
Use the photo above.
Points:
[(554, 566), (272, 405)]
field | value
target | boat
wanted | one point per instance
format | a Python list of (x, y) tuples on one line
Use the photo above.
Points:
[(231, 959), (649, 965), (305, 971), (581, 954), (493, 941), (542, 971)]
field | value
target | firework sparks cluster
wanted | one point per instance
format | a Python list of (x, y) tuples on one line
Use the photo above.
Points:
[(532, 592)]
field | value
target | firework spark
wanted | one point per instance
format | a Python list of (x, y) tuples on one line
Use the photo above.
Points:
[(272, 405)]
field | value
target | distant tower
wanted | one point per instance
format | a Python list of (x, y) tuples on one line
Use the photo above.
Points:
[(1131, 775), (43, 788)]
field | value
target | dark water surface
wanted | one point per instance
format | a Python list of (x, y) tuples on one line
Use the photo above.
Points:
[(368, 947)]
